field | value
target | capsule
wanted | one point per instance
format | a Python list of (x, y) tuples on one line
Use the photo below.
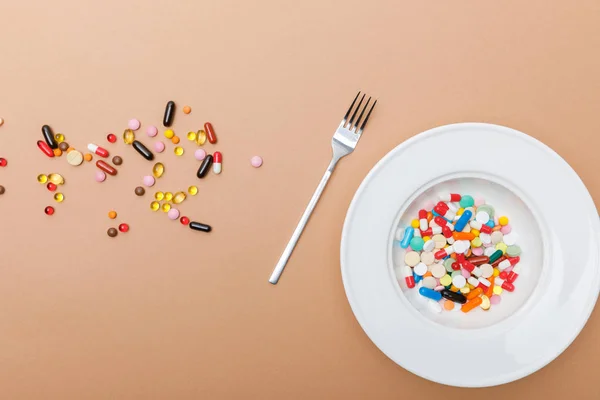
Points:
[(495, 255), (444, 252), (109, 169), (453, 296), (49, 137), (466, 264), (45, 148), (143, 150), (57, 179), (430, 293), (408, 277), (463, 220), (478, 260), (451, 197), (508, 262), (197, 226), (128, 136), (408, 235), (481, 227), (158, 170), (463, 236), (443, 210), (200, 137), (498, 261), (423, 223), (432, 230), (98, 150), (210, 133), (471, 304), (218, 160), (169, 114), (204, 167), (179, 197)]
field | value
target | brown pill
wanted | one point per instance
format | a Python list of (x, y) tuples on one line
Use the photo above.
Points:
[(498, 261), (117, 160), (210, 133), (112, 232), (63, 146), (109, 169), (478, 260), (2, 190), (140, 191)]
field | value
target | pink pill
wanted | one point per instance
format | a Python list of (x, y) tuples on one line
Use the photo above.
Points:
[(159, 147), (149, 180), (465, 273), (256, 161), (479, 201), (428, 205), (505, 229), (477, 251), (495, 299), (200, 154), (408, 248), (151, 131), (134, 124), (439, 288), (173, 213), (100, 176)]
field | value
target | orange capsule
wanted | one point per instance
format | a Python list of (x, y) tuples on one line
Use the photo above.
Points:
[(463, 236), (471, 304), (490, 290), (429, 216), (497, 228), (474, 293)]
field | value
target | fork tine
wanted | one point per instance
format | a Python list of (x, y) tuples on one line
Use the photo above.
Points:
[(354, 113), (350, 109), (366, 118), (362, 112)]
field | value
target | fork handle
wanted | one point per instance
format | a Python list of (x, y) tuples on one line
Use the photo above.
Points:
[(287, 252)]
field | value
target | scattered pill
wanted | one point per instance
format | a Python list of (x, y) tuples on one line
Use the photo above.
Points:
[(166, 207), (197, 226), (104, 166), (154, 206), (159, 196), (200, 137), (169, 114), (149, 180), (256, 161), (63, 146), (88, 157), (57, 152), (175, 140), (51, 187), (123, 228), (41, 178), (128, 136), (178, 150), (2, 190), (191, 136), (143, 150), (187, 109), (205, 166), (134, 124), (151, 131), (112, 232), (168, 196), (210, 133), (112, 214), (218, 160), (102, 152), (57, 179), (111, 137), (43, 146), (193, 190), (184, 220), (117, 160), (179, 197), (49, 210), (169, 133), (140, 191), (200, 154), (100, 176), (74, 158), (49, 137), (173, 214)]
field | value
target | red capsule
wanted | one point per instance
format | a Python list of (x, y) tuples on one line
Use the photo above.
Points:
[(410, 281), (503, 275), (451, 197), (422, 214), (3, 162), (446, 232), (514, 274), (51, 186), (184, 220), (210, 133), (486, 229), (442, 207), (49, 210), (508, 286), (45, 148), (109, 169), (513, 260), (440, 221), (467, 265), (498, 261), (111, 138), (98, 150), (124, 228)]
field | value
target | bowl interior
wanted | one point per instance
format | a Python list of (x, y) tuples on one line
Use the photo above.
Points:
[(505, 202)]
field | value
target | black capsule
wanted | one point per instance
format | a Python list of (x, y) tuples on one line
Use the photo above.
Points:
[(453, 296), (143, 150), (205, 166), (49, 137), (169, 114), (197, 226)]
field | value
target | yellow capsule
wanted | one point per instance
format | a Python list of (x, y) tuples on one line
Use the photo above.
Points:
[(460, 211), (496, 272), (497, 290), (166, 207), (128, 136), (158, 170), (178, 151), (454, 288), (426, 238), (501, 246), (414, 223), (154, 206), (192, 136), (41, 178), (57, 179), (201, 137), (59, 137), (193, 190), (485, 302), (169, 133), (168, 196), (159, 196), (179, 197), (475, 232), (59, 197)]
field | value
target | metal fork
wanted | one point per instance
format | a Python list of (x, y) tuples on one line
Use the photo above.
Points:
[(343, 143)]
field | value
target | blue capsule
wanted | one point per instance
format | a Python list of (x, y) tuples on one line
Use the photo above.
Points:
[(430, 293), (438, 215), (408, 235), (418, 278), (462, 221)]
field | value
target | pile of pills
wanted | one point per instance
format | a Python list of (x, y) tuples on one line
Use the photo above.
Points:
[(459, 254), (113, 232)]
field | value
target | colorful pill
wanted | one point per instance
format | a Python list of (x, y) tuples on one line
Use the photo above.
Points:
[(471, 304), (109, 169), (43, 146), (205, 166), (169, 114), (481, 227), (98, 150), (197, 226), (408, 277), (450, 197), (463, 236), (463, 220), (210, 133), (495, 255), (478, 260), (143, 150), (453, 296), (408, 235), (49, 137), (430, 293), (218, 160), (474, 293), (423, 223), (444, 252)]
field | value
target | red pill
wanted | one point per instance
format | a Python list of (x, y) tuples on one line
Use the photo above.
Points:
[(124, 228), (410, 281), (467, 265), (446, 232), (3, 162), (503, 275), (98, 150), (51, 186), (184, 220), (109, 169), (440, 221), (49, 210), (455, 266), (111, 138), (514, 274), (508, 286), (451, 197), (45, 148), (210, 133)]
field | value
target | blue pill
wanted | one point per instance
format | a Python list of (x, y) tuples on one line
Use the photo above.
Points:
[(462, 221), (408, 235), (430, 293), (418, 278), (438, 215), (416, 243), (490, 223)]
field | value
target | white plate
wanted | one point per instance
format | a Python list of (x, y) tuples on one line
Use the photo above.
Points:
[(558, 293)]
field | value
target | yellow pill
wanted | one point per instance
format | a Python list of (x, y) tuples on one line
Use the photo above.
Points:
[(179, 197), (112, 214), (178, 150), (154, 206), (128, 136), (158, 170), (497, 290), (475, 232), (470, 286), (192, 136), (59, 137), (166, 207), (201, 137), (503, 220), (465, 289), (501, 246), (159, 196), (446, 280), (41, 178), (454, 288), (476, 242), (460, 211), (496, 272), (169, 133), (59, 197), (193, 190), (426, 238), (485, 302), (168, 196), (415, 223), (57, 179)]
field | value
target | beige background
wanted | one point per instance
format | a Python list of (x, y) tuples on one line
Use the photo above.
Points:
[(166, 313)]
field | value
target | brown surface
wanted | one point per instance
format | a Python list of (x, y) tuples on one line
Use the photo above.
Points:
[(162, 312)]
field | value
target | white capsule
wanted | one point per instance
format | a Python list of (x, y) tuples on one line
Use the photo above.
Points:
[(423, 224), (485, 282), (473, 281), (217, 168), (503, 265), (407, 271)]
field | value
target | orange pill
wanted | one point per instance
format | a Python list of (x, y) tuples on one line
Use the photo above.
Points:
[(474, 293), (88, 157), (453, 255), (448, 305), (496, 228), (490, 290), (175, 139), (112, 214), (468, 253), (187, 109), (427, 274), (471, 304), (429, 216), (57, 152), (463, 236)]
